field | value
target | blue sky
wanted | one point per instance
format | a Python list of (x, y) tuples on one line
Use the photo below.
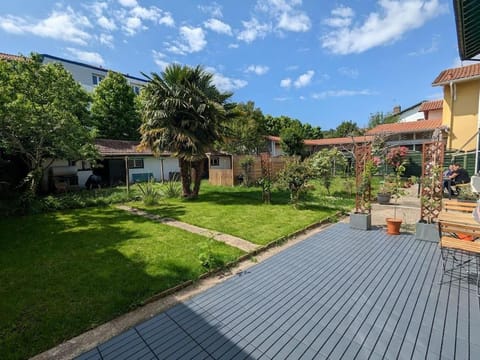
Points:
[(319, 61)]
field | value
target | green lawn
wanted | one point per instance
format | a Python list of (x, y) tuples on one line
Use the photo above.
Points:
[(63, 273), (239, 211)]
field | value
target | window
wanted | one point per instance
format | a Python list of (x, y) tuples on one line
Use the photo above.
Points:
[(215, 161), (135, 163), (96, 79), (136, 89)]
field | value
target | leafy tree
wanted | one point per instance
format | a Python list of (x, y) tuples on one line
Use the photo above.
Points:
[(311, 132), (347, 128), (295, 178), (291, 141), (379, 118), (43, 116), (247, 130), (323, 164), (183, 112), (113, 109)]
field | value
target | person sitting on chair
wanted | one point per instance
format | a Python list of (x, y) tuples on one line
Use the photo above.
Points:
[(446, 176), (458, 176)]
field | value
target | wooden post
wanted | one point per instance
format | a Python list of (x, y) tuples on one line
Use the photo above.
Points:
[(127, 175)]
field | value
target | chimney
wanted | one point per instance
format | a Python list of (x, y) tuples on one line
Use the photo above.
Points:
[(396, 109)]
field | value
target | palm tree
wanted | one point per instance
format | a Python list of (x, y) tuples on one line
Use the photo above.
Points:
[(184, 113)]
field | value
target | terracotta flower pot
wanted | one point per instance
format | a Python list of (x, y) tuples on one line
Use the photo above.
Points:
[(393, 226)]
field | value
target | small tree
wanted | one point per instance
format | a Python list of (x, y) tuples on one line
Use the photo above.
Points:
[(324, 163), (43, 116), (295, 178), (114, 110), (291, 141)]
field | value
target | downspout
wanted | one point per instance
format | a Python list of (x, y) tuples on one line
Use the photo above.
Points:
[(478, 133), (452, 99)]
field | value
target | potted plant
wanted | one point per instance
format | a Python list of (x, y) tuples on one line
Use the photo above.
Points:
[(384, 193), (396, 159), (365, 167), (431, 191)]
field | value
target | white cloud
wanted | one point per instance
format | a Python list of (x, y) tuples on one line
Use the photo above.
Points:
[(133, 19), (286, 83), (128, 3), (97, 8), (160, 59), (304, 79), (214, 10), (106, 39), (286, 14), (87, 56), (191, 40), (341, 93), (294, 22), (224, 83), (62, 24), (106, 23), (133, 25), (385, 26), (233, 46), (252, 30), (218, 26), (257, 69)]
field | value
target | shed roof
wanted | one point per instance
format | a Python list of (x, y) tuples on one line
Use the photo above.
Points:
[(109, 147)]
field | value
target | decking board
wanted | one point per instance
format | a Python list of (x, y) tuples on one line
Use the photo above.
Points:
[(342, 293)]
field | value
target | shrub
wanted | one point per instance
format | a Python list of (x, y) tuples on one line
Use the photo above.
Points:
[(172, 189), (208, 258), (150, 195)]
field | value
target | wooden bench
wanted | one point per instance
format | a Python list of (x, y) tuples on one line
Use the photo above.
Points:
[(459, 232)]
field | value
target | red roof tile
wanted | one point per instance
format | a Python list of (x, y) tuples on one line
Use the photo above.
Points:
[(329, 141), (431, 105), (108, 147), (406, 127), (338, 141), (455, 74)]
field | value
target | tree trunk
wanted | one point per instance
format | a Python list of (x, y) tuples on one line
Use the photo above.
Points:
[(186, 175), (197, 176)]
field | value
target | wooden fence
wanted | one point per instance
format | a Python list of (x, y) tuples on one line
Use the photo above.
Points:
[(235, 175)]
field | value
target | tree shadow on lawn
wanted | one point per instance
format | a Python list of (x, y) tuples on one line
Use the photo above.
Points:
[(61, 282)]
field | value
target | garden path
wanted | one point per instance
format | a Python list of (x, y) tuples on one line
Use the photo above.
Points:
[(225, 238)]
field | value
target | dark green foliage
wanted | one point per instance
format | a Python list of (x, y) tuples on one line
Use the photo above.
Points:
[(246, 130), (347, 129), (184, 113), (43, 116), (113, 109), (295, 178), (275, 126), (291, 141), (380, 118)]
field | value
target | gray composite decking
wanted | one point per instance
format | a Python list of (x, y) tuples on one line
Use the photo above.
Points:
[(341, 294)]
